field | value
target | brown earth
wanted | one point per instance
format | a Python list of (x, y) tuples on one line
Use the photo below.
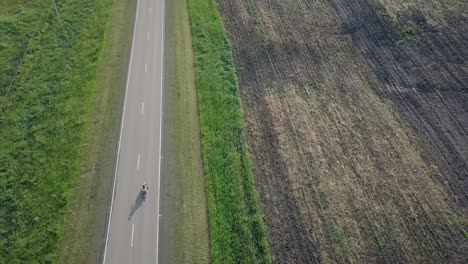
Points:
[(357, 123)]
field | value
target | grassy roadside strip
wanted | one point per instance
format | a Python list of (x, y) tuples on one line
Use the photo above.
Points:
[(45, 120), (81, 240), (237, 231), (185, 235)]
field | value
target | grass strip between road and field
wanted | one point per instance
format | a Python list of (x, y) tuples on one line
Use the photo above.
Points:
[(185, 234), (237, 231), (44, 122)]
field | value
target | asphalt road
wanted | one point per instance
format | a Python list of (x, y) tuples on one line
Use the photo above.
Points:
[(133, 227)]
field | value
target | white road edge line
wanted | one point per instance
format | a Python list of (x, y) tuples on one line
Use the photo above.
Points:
[(142, 108), (133, 231), (160, 123), (120, 136)]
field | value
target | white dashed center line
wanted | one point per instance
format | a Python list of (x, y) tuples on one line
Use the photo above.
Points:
[(138, 162), (146, 67), (142, 108), (133, 231)]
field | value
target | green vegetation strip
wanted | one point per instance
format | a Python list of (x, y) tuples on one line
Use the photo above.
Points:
[(43, 123), (237, 232), (185, 210)]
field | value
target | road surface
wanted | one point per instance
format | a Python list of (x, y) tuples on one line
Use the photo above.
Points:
[(133, 226)]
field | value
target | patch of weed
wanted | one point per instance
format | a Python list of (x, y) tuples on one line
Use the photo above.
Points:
[(457, 223), (338, 237), (378, 237)]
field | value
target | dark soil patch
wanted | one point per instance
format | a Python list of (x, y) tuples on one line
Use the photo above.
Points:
[(423, 71)]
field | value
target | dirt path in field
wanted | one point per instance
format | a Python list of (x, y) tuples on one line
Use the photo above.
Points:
[(357, 120)]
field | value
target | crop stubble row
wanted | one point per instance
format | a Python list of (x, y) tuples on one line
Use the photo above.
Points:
[(357, 133)]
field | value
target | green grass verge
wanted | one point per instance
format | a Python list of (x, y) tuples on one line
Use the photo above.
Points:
[(185, 236), (86, 219), (44, 118), (237, 231)]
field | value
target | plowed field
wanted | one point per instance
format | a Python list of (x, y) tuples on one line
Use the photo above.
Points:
[(357, 122)]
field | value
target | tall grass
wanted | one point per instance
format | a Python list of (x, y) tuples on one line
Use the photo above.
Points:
[(18, 24), (43, 120), (237, 232)]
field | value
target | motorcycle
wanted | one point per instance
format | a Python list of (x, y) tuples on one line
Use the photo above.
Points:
[(144, 190)]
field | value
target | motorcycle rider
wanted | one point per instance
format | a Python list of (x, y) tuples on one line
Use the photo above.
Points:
[(144, 187)]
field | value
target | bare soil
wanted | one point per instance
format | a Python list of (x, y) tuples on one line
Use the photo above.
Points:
[(357, 123)]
